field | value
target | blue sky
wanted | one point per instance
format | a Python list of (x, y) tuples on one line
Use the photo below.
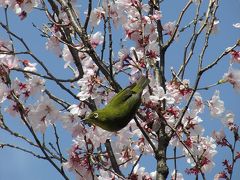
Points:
[(18, 165)]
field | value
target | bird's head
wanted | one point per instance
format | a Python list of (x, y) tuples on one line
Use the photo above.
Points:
[(93, 117)]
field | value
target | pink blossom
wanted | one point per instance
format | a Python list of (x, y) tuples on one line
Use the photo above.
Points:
[(176, 176), (216, 105), (197, 104), (98, 136), (69, 120), (3, 92), (123, 54), (123, 3), (53, 45), (89, 67), (89, 86), (67, 56), (115, 12), (152, 53), (178, 90), (12, 109), (4, 3), (140, 173), (77, 130), (106, 175), (42, 114), (228, 120), (237, 25), (218, 135), (36, 84), (203, 147), (96, 15), (29, 66), (221, 175), (63, 16), (192, 124), (158, 95), (215, 26), (157, 15), (233, 77), (96, 39), (24, 7), (9, 60), (79, 161), (170, 27), (235, 56), (79, 110)]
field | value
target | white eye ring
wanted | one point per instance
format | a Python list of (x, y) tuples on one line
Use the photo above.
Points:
[(95, 115)]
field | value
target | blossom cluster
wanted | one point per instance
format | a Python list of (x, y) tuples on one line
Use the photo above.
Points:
[(20, 7)]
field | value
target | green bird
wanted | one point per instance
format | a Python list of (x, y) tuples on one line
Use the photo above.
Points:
[(121, 108)]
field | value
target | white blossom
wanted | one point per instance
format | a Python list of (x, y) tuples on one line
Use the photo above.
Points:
[(216, 105), (236, 25)]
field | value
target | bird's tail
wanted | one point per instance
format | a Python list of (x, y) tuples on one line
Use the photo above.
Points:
[(141, 83)]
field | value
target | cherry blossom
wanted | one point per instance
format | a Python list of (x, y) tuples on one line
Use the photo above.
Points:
[(216, 105), (237, 25), (221, 175), (53, 45), (96, 15), (157, 15), (139, 173), (176, 176), (96, 39), (203, 147), (22, 8), (67, 56), (218, 135), (37, 85), (79, 110), (89, 86), (228, 120), (106, 175), (9, 60), (43, 114), (12, 109), (178, 90), (215, 26), (192, 124), (233, 77), (198, 104), (170, 27), (4, 3), (69, 120), (3, 92), (159, 95), (79, 162), (28, 66), (235, 56)]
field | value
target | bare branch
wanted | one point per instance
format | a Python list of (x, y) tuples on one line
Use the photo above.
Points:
[(113, 160), (3, 145)]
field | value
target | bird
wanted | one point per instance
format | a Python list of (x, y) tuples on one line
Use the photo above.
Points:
[(121, 108)]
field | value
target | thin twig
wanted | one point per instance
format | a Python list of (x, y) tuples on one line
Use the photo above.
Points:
[(2, 145), (145, 134), (113, 160), (88, 14), (135, 164)]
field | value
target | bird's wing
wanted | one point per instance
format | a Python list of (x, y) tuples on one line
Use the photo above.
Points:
[(122, 96)]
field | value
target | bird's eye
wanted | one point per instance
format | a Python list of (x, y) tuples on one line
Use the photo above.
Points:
[(95, 115)]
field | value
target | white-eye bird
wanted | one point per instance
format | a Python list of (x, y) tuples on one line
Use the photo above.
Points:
[(121, 108)]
